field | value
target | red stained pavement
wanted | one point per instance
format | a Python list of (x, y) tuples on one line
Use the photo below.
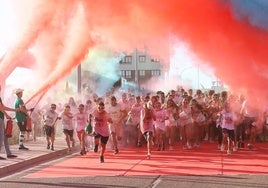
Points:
[(206, 160)]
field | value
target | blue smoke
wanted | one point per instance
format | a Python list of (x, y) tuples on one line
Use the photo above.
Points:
[(254, 11)]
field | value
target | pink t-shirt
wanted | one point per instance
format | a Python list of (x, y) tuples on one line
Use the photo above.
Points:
[(160, 116), (100, 122), (147, 123)]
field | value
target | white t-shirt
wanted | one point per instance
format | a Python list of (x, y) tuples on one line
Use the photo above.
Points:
[(67, 122), (81, 121), (228, 120), (136, 114), (115, 112), (50, 117), (160, 116)]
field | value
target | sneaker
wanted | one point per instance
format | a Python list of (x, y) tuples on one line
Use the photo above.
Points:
[(189, 146), (250, 146), (48, 146), (235, 149), (148, 155), (2, 158), (69, 151), (83, 152), (11, 156), (139, 144), (52, 147), (222, 147), (116, 151), (101, 159), (96, 148), (228, 152), (22, 147)]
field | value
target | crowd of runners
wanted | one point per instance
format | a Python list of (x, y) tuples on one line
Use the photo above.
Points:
[(158, 120)]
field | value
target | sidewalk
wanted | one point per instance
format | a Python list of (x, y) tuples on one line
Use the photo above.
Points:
[(37, 153)]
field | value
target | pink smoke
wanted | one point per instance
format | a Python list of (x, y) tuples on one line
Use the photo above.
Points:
[(61, 34)]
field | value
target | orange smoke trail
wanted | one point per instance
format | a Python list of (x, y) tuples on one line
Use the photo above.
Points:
[(74, 51), (41, 18)]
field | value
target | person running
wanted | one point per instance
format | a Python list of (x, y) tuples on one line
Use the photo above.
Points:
[(186, 124), (251, 115), (147, 126), (21, 117), (49, 118), (160, 127), (81, 121), (198, 120), (171, 123), (132, 128), (228, 119), (117, 114), (3, 137), (67, 126), (100, 119)]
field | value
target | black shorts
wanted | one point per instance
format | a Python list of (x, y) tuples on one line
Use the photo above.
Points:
[(147, 134), (248, 122), (104, 139), (22, 125), (229, 133), (68, 132), (49, 130)]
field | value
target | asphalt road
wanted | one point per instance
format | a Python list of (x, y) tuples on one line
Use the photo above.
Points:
[(26, 178)]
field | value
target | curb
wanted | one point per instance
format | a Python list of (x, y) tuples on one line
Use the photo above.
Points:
[(7, 170)]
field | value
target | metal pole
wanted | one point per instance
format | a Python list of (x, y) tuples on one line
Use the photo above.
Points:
[(79, 78), (198, 76), (136, 68)]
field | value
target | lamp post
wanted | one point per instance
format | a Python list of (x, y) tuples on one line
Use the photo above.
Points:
[(190, 67), (183, 70)]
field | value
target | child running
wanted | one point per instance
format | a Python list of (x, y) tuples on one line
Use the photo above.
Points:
[(81, 120)]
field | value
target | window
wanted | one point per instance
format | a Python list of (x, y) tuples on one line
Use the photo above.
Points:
[(122, 73), (127, 60), (155, 60), (142, 72), (128, 74), (155, 73), (142, 58)]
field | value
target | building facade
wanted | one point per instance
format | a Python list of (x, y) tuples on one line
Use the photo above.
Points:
[(139, 67)]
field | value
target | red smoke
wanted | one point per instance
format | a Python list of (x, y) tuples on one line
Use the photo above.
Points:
[(64, 31)]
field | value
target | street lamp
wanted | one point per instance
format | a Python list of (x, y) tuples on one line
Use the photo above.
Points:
[(190, 67)]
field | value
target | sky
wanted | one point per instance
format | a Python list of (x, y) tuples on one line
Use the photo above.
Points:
[(227, 38)]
